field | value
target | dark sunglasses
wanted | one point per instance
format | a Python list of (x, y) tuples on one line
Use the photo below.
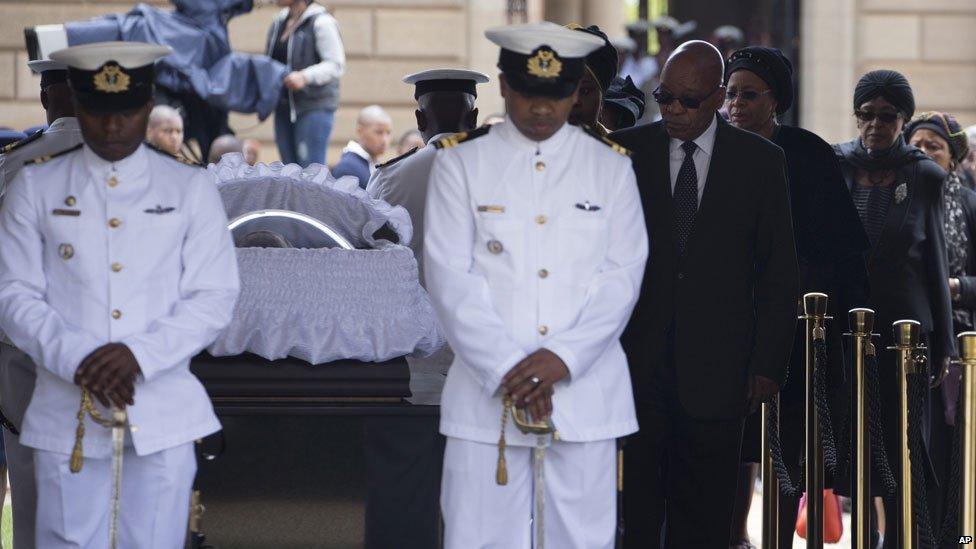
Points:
[(885, 117), (665, 98), (746, 95)]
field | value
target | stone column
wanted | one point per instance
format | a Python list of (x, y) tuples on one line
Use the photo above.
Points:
[(564, 11), (609, 16)]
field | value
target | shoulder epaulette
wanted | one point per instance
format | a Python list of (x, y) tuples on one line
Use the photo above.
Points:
[(176, 157), (397, 159), (458, 138), (18, 144), (617, 147), (43, 159)]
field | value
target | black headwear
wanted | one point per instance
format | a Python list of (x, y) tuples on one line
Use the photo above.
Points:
[(602, 63), (50, 78), (891, 85), (627, 100), (944, 125), (769, 64), (113, 88)]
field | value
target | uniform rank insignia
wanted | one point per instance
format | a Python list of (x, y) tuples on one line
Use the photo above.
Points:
[(587, 207), (111, 79), (159, 210), (458, 138)]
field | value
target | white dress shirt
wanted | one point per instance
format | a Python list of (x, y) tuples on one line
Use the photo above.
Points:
[(533, 245), (135, 251), (702, 157)]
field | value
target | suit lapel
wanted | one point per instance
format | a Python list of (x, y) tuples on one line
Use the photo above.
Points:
[(896, 213)]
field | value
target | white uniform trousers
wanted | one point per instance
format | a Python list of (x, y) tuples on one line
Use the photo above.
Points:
[(73, 510), (580, 496), (16, 387)]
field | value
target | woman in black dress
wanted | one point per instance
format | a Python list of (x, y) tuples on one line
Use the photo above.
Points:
[(941, 137), (897, 190), (829, 243)]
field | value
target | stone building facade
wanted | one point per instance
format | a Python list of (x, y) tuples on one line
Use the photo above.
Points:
[(384, 40), (932, 41)]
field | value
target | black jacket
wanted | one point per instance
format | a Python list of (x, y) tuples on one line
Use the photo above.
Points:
[(830, 244), (907, 267), (967, 283), (727, 307)]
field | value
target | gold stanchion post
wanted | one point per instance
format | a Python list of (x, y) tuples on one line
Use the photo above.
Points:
[(862, 324), (967, 462), (815, 314), (770, 485), (907, 343)]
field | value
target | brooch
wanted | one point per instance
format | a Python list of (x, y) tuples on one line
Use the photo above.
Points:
[(901, 193)]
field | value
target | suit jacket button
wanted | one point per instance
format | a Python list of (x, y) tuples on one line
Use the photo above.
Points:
[(681, 276)]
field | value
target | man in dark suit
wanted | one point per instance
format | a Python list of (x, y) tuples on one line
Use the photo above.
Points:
[(711, 336)]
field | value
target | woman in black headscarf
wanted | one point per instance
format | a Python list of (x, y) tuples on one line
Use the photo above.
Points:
[(941, 137), (829, 243), (897, 190)]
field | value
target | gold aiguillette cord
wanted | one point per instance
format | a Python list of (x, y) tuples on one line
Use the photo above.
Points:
[(87, 407), (501, 470)]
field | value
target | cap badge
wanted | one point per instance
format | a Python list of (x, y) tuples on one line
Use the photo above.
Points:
[(544, 64), (111, 79)]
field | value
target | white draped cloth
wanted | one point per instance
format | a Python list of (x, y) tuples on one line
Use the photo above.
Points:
[(324, 304)]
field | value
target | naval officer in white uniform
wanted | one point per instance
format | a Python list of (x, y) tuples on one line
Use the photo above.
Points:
[(16, 368), (534, 251), (445, 106), (116, 268)]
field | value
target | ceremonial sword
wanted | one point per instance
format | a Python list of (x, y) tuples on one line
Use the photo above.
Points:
[(117, 423), (545, 433)]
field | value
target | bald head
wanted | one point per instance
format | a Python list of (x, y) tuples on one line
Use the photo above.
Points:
[(165, 128), (691, 89), (373, 127), (698, 58), (223, 145)]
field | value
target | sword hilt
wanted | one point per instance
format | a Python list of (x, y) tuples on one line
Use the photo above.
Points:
[(87, 408)]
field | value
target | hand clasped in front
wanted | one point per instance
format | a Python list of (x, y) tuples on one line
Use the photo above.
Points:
[(109, 373), (530, 382)]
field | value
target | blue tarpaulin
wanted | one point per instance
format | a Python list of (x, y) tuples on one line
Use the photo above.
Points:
[(202, 62)]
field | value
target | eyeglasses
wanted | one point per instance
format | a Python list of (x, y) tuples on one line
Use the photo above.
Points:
[(868, 116), (665, 98), (746, 95)]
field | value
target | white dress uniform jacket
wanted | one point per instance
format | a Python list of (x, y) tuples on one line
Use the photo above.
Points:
[(16, 368), (531, 245), (135, 251), (403, 182), (61, 135)]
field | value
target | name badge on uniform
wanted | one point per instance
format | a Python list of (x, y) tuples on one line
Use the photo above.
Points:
[(491, 209), (63, 211), (587, 207), (159, 210)]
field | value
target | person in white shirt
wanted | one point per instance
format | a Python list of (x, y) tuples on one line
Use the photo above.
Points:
[(117, 268), (16, 367), (534, 252)]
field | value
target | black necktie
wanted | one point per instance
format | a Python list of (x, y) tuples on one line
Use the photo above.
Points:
[(685, 197)]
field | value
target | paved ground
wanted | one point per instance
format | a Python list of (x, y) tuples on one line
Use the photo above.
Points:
[(755, 524)]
